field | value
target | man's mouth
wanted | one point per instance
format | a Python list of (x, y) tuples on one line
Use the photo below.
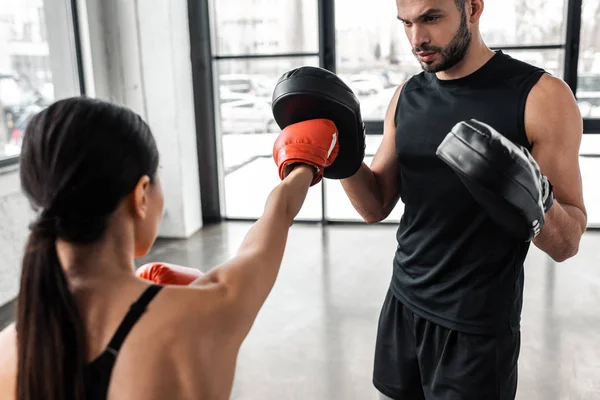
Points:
[(426, 56)]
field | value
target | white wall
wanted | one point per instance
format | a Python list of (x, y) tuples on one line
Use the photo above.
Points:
[(137, 53)]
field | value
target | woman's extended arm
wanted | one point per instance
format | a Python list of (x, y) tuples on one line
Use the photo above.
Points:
[(248, 278)]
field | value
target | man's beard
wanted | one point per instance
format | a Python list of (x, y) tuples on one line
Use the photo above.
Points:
[(453, 53)]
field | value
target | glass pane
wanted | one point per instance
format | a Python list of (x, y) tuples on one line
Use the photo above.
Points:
[(25, 76), (265, 27), (373, 53), (248, 133), (524, 22), (588, 81)]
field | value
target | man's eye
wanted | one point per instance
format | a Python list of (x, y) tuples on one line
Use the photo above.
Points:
[(431, 19)]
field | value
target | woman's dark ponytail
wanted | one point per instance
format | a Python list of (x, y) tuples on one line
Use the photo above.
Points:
[(51, 336)]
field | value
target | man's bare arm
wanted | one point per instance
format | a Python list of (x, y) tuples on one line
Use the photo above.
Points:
[(374, 190), (554, 127)]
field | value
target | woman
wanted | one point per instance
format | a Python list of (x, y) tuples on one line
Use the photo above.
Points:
[(90, 169)]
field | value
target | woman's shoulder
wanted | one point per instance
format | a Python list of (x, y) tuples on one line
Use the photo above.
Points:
[(195, 308), (197, 318), (8, 345), (8, 334), (8, 360)]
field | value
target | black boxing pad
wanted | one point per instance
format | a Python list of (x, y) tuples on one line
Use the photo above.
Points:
[(500, 175), (307, 93)]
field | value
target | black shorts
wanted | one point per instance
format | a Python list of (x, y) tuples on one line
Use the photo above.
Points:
[(416, 359)]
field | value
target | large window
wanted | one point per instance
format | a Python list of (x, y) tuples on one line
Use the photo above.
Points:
[(255, 42), (372, 54), (25, 74)]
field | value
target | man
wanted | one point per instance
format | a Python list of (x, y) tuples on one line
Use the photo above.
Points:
[(450, 324)]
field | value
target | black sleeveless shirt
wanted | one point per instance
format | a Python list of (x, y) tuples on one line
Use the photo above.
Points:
[(453, 265)]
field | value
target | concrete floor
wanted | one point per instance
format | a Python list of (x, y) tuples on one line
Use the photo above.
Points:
[(314, 337)]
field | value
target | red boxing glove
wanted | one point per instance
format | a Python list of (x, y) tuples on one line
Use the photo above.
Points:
[(313, 142), (168, 274)]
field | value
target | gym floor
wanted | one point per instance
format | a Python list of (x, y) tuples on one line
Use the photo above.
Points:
[(315, 335)]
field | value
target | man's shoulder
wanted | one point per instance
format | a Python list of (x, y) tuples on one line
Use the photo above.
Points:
[(551, 110), (549, 94), (552, 85)]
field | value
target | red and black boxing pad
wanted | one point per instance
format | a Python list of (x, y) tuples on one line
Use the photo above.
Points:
[(309, 93)]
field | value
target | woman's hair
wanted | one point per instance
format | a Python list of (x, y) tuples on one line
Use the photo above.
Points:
[(80, 157)]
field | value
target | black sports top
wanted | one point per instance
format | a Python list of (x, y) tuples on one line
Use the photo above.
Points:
[(453, 265), (99, 371)]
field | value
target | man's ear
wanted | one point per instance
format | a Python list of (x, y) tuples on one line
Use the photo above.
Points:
[(139, 197), (474, 10)]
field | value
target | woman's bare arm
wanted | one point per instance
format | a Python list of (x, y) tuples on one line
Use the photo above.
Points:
[(247, 279)]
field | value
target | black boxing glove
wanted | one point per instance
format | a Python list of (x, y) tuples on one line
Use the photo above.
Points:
[(502, 176)]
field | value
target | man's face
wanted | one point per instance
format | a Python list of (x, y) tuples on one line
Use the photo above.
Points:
[(437, 30)]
